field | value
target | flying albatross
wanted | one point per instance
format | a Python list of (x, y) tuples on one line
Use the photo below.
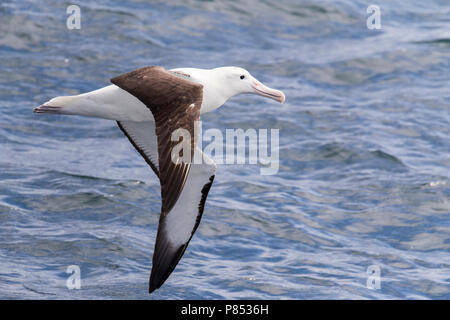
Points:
[(149, 104)]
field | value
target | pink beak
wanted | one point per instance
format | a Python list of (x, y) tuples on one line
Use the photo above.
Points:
[(265, 91)]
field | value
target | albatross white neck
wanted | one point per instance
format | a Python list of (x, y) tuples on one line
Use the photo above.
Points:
[(216, 86)]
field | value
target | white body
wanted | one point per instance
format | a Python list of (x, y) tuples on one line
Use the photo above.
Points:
[(111, 102)]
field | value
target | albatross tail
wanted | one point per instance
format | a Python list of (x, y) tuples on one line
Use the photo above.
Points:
[(58, 105), (110, 102)]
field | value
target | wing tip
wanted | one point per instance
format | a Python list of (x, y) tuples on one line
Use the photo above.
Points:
[(152, 287), (165, 259), (167, 255)]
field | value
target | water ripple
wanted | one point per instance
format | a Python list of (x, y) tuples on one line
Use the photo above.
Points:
[(364, 152)]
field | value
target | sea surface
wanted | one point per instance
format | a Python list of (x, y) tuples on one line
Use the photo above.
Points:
[(360, 206)]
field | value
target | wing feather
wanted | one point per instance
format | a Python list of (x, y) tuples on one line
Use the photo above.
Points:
[(177, 228), (175, 104)]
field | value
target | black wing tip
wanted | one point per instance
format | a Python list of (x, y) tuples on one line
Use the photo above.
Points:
[(152, 287), (165, 259), (157, 278)]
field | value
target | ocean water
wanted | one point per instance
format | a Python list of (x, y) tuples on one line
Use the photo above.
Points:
[(363, 182)]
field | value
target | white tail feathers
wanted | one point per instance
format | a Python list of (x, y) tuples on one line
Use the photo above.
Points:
[(109, 102)]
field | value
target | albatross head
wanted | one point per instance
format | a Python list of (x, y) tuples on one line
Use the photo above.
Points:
[(220, 84), (237, 80)]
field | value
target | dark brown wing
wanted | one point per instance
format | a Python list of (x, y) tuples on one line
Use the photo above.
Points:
[(175, 104)]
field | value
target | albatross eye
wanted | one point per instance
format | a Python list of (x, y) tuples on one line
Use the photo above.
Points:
[(242, 77)]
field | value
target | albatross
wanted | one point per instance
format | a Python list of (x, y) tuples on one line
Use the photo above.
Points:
[(149, 104)]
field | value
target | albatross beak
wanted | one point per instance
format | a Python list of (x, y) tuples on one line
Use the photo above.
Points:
[(264, 91)]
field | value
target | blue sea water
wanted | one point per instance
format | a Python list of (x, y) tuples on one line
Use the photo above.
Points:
[(363, 183)]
